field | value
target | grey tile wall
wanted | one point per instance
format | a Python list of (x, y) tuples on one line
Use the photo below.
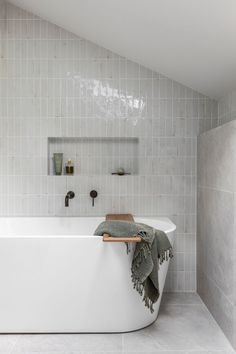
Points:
[(97, 155), (227, 107), (216, 220), (55, 84)]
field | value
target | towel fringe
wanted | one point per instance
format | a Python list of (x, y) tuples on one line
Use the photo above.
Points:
[(137, 285), (140, 289), (165, 255)]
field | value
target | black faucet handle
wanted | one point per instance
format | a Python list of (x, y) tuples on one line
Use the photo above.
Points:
[(71, 194), (93, 195)]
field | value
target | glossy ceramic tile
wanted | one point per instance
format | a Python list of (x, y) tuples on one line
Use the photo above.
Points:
[(55, 84)]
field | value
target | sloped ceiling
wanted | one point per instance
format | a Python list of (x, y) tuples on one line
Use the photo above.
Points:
[(191, 41)]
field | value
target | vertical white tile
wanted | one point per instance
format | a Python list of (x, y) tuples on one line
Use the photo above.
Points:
[(65, 86)]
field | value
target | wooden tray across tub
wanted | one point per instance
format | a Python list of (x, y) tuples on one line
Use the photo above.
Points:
[(125, 217)]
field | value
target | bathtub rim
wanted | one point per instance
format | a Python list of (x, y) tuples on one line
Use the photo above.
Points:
[(171, 227)]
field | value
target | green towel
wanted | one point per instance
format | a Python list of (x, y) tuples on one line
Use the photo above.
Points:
[(152, 251)]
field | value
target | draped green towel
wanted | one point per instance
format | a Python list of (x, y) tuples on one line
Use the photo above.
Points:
[(154, 248)]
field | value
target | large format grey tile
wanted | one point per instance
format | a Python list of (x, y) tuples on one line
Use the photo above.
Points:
[(182, 352), (181, 299), (184, 326), (7, 343), (217, 157), (234, 251), (69, 343), (68, 352), (218, 212), (202, 224), (179, 327), (41, 352), (234, 324), (220, 307), (141, 352), (216, 243), (93, 352)]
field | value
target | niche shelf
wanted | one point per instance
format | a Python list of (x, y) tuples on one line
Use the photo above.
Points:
[(95, 156)]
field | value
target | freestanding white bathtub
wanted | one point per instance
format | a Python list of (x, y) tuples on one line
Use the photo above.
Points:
[(56, 277)]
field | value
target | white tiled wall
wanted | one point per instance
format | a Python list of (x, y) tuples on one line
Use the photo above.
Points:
[(97, 155), (55, 84)]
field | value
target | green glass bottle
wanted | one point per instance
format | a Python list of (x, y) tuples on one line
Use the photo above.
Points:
[(57, 163)]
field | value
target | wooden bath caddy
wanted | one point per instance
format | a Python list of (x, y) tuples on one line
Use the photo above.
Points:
[(124, 217)]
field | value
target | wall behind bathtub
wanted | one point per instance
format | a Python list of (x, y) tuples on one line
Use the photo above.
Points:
[(54, 84)]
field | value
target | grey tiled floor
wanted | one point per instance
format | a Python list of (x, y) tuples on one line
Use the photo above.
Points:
[(184, 325)]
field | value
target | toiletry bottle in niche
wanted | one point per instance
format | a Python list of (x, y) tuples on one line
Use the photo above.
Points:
[(69, 167), (57, 163)]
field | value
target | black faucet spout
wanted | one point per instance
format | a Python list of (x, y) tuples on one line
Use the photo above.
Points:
[(69, 195)]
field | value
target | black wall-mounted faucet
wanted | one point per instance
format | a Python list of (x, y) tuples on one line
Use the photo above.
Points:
[(69, 195), (93, 195)]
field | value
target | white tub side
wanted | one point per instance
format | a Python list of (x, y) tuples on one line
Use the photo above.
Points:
[(69, 284)]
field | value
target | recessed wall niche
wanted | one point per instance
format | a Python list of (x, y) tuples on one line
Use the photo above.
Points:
[(95, 156)]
